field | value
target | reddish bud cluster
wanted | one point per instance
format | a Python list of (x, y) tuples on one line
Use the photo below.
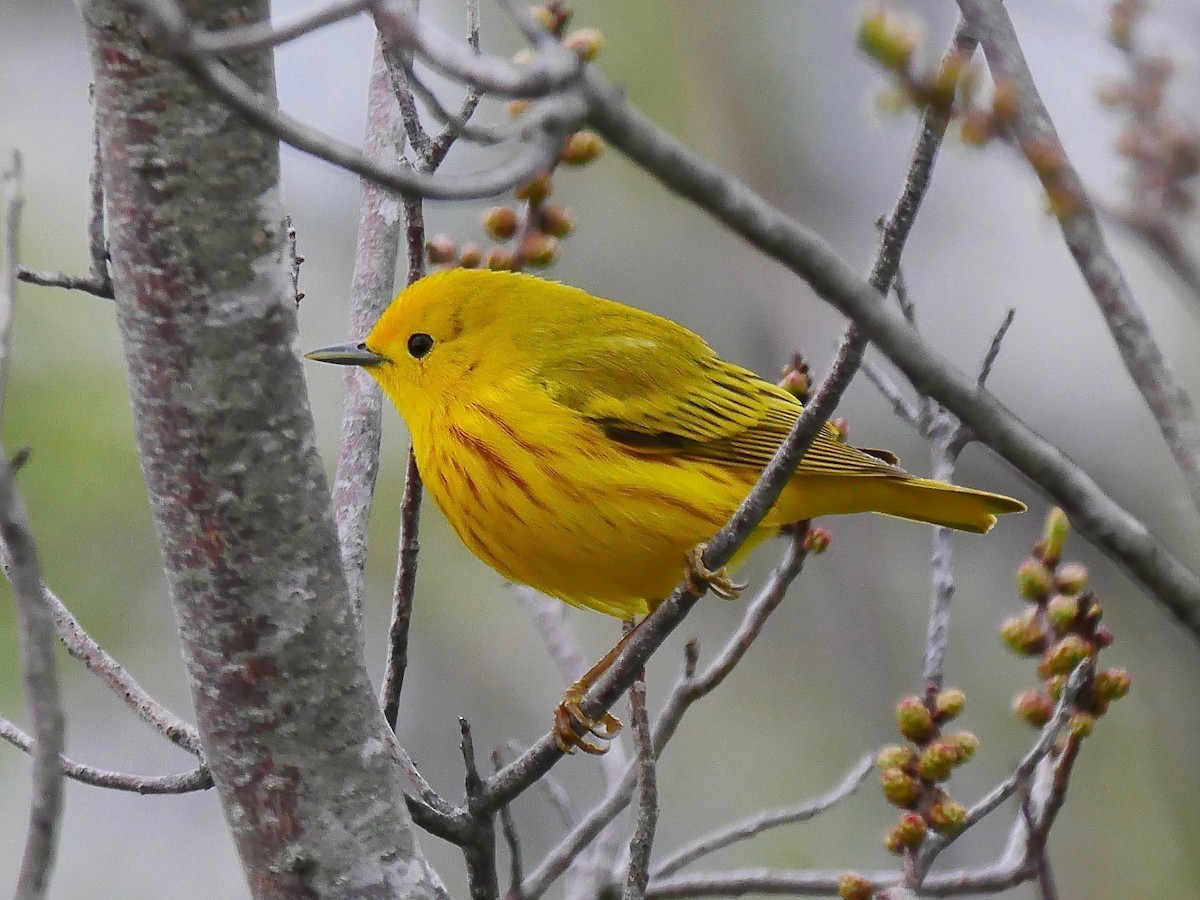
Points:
[(912, 777), (528, 236), (1061, 626)]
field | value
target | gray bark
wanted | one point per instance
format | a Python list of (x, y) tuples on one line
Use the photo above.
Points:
[(289, 726)]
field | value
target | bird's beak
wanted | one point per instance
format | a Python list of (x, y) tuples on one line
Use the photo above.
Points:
[(346, 355)]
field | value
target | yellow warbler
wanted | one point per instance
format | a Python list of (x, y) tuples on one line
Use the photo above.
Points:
[(584, 447)]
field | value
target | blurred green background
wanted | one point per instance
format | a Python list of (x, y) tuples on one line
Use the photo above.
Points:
[(776, 93)]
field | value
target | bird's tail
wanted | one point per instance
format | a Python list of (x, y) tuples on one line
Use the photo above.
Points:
[(938, 503)]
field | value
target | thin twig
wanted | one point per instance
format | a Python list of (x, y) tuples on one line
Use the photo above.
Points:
[(34, 625), (559, 116), (86, 283), (116, 677), (479, 850), (1164, 394), (402, 596), (509, 829), (904, 410), (637, 874), (264, 34), (198, 779), (764, 821)]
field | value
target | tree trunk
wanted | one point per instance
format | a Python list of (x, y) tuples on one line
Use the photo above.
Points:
[(288, 722)]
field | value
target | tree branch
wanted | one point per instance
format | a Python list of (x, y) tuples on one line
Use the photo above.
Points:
[(198, 779), (34, 625), (764, 821), (1165, 395)]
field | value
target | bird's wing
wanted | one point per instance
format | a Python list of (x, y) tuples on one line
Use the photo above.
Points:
[(671, 394)]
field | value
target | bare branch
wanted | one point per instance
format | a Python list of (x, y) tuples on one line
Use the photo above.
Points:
[(173, 29), (263, 35), (764, 821), (116, 677), (86, 283), (198, 779), (993, 351), (34, 625), (509, 829), (479, 849), (552, 69), (637, 874), (375, 255), (883, 382), (405, 590), (1165, 395)]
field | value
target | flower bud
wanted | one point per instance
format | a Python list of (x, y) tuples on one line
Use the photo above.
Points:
[(500, 222), (914, 719), (852, 886), (965, 744), (441, 249), (1024, 634), (500, 259), (557, 221), (1102, 637), (534, 191), (1062, 611), (816, 540), (1112, 684), (539, 250), (900, 788), (1071, 577), (470, 257), (522, 57), (949, 703), (975, 129), (1055, 685), (795, 378), (587, 42), (514, 108), (1034, 580), (582, 147), (1005, 102), (937, 761), (1064, 656), (895, 756), (1080, 725), (841, 427), (886, 39), (1034, 707), (907, 833), (1054, 534), (947, 816)]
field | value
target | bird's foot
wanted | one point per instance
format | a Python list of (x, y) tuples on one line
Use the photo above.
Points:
[(701, 578), (568, 714)]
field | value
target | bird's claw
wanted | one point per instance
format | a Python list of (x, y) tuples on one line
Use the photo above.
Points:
[(701, 578), (568, 714)]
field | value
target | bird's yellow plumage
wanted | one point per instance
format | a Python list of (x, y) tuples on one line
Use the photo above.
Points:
[(583, 447)]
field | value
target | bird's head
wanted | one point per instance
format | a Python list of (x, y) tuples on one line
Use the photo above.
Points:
[(449, 333)]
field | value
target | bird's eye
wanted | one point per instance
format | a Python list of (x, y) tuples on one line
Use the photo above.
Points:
[(419, 344)]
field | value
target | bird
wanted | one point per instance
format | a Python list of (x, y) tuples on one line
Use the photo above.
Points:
[(588, 448)]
